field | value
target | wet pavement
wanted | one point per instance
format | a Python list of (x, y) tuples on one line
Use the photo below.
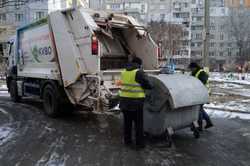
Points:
[(30, 138)]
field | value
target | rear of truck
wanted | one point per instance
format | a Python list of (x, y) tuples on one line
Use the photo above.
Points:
[(100, 44)]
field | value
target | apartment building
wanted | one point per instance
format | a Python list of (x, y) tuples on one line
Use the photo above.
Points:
[(136, 8), (181, 14), (197, 25), (17, 13), (237, 3), (222, 45), (159, 10)]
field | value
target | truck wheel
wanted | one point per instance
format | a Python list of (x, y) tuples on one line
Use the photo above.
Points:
[(13, 91), (51, 101)]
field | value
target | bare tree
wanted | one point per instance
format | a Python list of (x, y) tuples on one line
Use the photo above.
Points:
[(239, 29), (169, 35)]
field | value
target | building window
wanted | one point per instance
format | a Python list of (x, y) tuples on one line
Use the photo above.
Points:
[(221, 53), (186, 4), (199, 18), (199, 44), (212, 44), (162, 16), (162, 7), (222, 27), (221, 44), (115, 6), (3, 3), (211, 54), (177, 15), (39, 15), (19, 17), (186, 33), (211, 27), (221, 37), (198, 36), (18, 4), (142, 8), (2, 17), (185, 43), (223, 10), (212, 36)]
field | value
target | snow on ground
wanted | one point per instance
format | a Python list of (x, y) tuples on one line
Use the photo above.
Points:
[(231, 106), (54, 160), (225, 114), (230, 78), (6, 133), (3, 86), (4, 93)]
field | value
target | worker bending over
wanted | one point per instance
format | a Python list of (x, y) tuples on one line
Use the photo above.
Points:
[(200, 74)]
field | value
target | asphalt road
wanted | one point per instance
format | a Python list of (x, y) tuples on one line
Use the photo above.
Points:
[(88, 139)]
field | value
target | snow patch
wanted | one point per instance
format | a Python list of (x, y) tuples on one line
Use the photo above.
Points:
[(6, 133), (3, 86), (227, 115), (230, 106), (229, 86), (230, 78), (54, 160)]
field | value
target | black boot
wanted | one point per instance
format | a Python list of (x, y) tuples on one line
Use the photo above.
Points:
[(208, 125)]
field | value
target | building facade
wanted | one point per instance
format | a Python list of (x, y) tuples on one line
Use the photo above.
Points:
[(14, 14), (136, 8), (222, 50), (237, 3)]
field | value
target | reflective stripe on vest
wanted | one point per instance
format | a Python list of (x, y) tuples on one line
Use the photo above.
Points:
[(129, 87), (207, 83)]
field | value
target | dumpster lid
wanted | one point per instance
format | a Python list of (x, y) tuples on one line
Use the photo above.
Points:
[(180, 90)]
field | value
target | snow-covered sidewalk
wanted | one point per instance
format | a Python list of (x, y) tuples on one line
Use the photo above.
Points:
[(230, 78), (231, 106), (227, 115)]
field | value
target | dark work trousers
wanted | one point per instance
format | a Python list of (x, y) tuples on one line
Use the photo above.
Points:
[(133, 117), (203, 115)]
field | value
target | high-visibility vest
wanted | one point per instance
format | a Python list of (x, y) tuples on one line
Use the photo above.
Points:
[(129, 87), (207, 82)]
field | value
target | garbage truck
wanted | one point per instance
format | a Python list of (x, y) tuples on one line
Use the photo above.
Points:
[(74, 57)]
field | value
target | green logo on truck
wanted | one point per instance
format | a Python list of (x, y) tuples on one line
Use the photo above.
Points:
[(40, 54)]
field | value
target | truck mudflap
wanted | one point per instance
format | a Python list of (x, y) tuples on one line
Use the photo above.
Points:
[(171, 92)]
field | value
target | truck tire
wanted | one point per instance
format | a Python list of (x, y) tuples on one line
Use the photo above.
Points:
[(51, 101), (13, 91)]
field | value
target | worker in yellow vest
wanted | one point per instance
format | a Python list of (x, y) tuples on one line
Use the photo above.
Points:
[(132, 93), (202, 75)]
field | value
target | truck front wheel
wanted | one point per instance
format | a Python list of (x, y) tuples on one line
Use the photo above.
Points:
[(13, 91), (51, 101)]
